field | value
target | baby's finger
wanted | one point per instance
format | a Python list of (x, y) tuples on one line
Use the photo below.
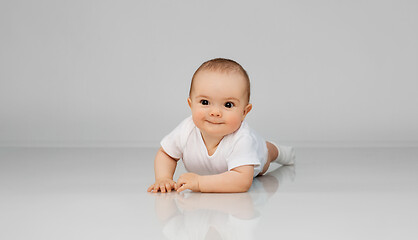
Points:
[(156, 187), (182, 188), (162, 188), (180, 181), (168, 187)]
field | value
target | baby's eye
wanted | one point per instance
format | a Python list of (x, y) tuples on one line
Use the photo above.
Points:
[(204, 102), (229, 104)]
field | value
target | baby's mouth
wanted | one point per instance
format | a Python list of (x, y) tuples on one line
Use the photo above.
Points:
[(216, 123)]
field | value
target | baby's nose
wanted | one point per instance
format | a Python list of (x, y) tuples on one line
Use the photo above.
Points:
[(215, 112)]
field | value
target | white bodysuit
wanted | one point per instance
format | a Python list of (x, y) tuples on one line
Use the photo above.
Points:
[(242, 147)]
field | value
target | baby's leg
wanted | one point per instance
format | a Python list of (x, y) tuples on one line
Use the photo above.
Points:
[(273, 153), (282, 154)]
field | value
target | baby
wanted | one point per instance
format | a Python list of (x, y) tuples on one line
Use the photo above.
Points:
[(219, 150)]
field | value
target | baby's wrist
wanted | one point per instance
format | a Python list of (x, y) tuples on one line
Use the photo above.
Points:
[(163, 178), (198, 182)]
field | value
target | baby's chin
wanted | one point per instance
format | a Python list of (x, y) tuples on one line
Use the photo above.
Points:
[(219, 132)]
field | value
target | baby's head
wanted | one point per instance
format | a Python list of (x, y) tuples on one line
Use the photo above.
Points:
[(226, 66), (219, 97)]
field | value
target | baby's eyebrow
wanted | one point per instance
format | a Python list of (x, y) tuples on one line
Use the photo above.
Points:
[(232, 98), (202, 96), (226, 99)]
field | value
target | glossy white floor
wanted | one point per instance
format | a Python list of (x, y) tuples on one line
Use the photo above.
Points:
[(100, 193)]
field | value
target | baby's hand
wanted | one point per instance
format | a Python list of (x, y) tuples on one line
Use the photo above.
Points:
[(163, 185), (188, 181)]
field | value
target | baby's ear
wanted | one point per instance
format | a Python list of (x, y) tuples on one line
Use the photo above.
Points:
[(189, 101), (247, 109)]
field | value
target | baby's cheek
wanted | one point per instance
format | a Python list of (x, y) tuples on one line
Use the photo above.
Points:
[(197, 117), (235, 122)]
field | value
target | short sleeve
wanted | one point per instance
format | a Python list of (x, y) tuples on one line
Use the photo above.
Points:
[(174, 143), (244, 152)]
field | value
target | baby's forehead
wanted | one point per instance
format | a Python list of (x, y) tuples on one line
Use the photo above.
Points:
[(208, 75), (227, 82), (227, 85)]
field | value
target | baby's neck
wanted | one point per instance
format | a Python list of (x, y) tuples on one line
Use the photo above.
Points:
[(211, 143)]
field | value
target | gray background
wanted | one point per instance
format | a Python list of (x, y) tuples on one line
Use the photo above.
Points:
[(117, 73)]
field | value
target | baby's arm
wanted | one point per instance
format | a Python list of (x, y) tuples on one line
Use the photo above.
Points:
[(238, 179), (164, 167)]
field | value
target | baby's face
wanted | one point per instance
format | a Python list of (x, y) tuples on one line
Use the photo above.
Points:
[(218, 102)]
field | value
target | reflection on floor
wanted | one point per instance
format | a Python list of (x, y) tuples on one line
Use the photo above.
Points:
[(218, 216), (100, 193)]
